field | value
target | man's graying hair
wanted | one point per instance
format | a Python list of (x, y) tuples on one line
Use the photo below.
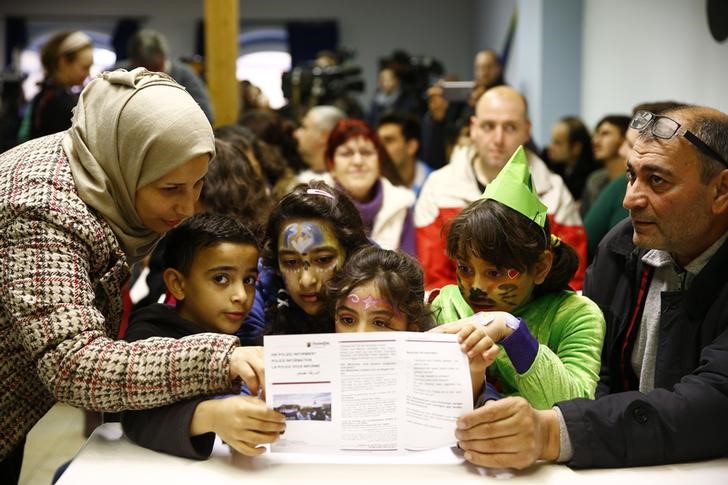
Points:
[(147, 46), (711, 126), (325, 117)]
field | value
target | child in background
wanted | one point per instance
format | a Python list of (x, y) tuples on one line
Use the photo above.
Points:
[(380, 290), (511, 267), (233, 186), (310, 234), (211, 265)]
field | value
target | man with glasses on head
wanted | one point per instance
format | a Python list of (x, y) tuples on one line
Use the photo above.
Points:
[(661, 279)]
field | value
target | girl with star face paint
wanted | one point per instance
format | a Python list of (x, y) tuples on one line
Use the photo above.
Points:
[(379, 290), (513, 275), (310, 234)]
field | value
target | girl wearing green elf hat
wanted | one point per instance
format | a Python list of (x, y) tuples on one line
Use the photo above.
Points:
[(513, 278)]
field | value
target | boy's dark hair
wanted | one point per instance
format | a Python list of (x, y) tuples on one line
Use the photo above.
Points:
[(305, 203), (408, 124), (397, 275), (507, 239), (202, 231)]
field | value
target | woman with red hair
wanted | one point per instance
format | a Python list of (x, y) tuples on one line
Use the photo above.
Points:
[(359, 164)]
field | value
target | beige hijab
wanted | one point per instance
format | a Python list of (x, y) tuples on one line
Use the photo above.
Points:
[(128, 130)]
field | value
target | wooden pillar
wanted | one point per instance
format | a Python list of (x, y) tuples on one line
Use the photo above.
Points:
[(221, 51)]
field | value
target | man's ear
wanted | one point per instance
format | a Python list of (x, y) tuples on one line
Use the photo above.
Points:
[(473, 125), (720, 199), (175, 282), (543, 266)]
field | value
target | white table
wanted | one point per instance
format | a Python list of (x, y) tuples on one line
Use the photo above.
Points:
[(110, 458)]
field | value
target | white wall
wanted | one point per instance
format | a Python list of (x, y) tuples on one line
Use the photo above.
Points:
[(373, 27), (493, 18), (376, 27), (561, 64), (545, 57), (650, 50)]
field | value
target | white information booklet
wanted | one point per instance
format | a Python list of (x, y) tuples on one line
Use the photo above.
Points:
[(389, 392)]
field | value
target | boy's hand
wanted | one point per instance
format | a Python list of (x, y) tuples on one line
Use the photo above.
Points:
[(247, 363), (243, 422)]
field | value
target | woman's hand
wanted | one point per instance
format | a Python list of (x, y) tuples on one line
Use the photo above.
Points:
[(247, 364)]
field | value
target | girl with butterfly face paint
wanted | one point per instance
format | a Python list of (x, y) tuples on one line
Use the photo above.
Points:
[(512, 278), (308, 255), (310, 234)]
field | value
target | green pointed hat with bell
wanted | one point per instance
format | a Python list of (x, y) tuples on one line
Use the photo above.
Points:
[(513, 188)]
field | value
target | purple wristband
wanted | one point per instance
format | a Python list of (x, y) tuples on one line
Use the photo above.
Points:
[(521, 347)]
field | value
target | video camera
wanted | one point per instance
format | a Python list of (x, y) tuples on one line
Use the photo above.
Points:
[(416, 73), (312, 85), (321, 85)]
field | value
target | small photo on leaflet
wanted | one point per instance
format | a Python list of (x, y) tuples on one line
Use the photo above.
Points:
[(304, 407)]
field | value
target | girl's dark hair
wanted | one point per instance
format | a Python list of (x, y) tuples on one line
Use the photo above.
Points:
[(504, 237), (349, 128), (233, 187), (273, 166), (201, 231), (345, 221), (337, 210), (276, 131), (397, 275), (579, 133)]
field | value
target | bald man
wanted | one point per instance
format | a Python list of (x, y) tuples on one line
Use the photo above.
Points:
[(499, 126)]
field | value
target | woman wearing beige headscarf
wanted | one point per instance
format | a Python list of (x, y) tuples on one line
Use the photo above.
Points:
[(76, 209)]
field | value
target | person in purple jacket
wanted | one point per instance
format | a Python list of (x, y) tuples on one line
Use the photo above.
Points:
[(359, 164)]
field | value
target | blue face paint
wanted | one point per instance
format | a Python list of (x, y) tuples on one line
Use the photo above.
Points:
[(301, 237)]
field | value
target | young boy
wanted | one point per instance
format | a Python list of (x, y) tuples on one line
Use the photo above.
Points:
[(211, 265)]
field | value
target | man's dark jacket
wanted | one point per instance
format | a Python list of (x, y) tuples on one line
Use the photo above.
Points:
[(686, 416)]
